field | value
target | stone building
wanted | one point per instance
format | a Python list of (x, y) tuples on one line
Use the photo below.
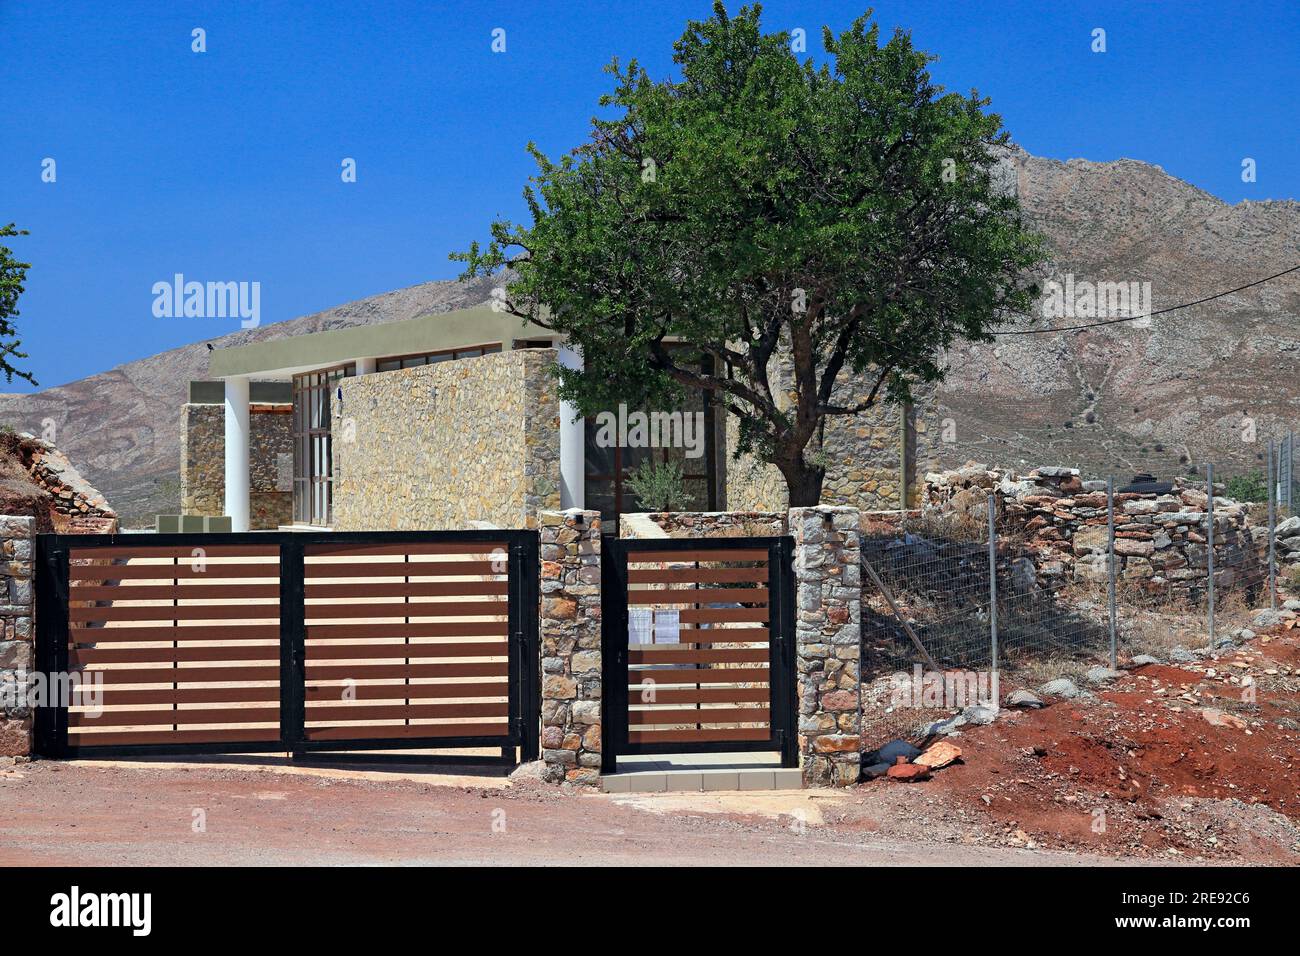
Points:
[(452, 418), (270, 453)]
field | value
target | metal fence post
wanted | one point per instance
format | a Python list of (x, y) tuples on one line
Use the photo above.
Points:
[(1290, 473), (1272, 534), (1209, 542), (1111, 569), (1287, 474), (993, 598)]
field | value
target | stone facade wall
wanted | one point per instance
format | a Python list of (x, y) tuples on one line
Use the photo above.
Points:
[(441, 445), (865, 454), (929, 436), (203, 463), (571, 656), (1160, 540), (17, 640), (751, 485), (828, 582)]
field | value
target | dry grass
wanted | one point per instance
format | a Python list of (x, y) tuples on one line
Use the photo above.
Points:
[(1035, 670)]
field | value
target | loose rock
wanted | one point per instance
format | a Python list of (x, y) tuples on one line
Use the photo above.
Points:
[(1061, 687), (1024, 698)]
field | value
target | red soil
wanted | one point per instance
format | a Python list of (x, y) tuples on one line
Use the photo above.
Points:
[(1149, 761)]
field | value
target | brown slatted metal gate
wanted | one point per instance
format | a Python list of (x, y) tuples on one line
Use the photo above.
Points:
[(697, 640), (289, 642)]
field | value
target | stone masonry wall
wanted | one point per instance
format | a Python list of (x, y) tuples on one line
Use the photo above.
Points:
[(711, 524), (1160, 540), (203, 463), (442, 445), (571, 654), (827, 572), (865, 454), (16, 640)]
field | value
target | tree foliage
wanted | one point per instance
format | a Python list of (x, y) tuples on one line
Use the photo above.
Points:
[(843, 218), (13, 274)]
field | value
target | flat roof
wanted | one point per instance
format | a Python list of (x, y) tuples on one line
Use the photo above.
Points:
[(295, 354)]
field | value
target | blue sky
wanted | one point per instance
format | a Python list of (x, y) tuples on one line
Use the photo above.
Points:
[(225, 165)]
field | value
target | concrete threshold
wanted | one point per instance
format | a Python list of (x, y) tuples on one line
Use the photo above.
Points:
[(698, 773)]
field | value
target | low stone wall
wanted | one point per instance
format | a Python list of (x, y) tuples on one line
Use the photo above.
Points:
[(570, 637), (1160, 540), (441, 445), (1287, 549), (707, 524), (17, 639), (270, 461)]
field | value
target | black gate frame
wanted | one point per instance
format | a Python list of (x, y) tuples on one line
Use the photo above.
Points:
[(523, 668), (781, 650)]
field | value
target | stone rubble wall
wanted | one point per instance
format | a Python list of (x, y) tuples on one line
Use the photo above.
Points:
[(1160, 540), (441, 445), (17, 647), (571, 653), (828, 601), (270, 450), (1287, 548), (72, 505)]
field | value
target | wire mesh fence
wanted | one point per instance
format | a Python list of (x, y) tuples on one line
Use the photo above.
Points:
[(1013, 593)]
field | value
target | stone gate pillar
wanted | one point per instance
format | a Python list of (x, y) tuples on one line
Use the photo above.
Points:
[(828, 596), (570, 638), (16, 635)]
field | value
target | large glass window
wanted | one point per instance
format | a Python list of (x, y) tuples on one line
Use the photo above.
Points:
[(313, 471), (431, 358), (608, 467)]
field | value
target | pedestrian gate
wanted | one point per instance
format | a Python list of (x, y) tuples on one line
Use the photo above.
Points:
[(697, 639), (295, 642)]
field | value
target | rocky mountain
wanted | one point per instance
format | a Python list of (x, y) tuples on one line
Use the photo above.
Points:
[(121, 428), (1211, 383), (1208, 383)]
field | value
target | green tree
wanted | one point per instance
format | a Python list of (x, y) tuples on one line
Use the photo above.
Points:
[(12, 276), (760, 212)]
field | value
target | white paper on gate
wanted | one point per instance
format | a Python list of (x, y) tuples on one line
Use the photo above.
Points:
[(668, 626), (639, 625)]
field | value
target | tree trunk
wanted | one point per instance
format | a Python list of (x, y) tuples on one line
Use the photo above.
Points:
[(803, 482)]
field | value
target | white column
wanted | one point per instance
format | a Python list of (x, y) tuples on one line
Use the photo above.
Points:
[(365, 366), (572, 442), (237, 436)]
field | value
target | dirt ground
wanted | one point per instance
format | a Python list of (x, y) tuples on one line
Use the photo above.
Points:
[(1165, 762), (116, 814)]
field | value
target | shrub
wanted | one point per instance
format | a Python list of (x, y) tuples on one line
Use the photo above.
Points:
[(658, 486), (1251, 487)]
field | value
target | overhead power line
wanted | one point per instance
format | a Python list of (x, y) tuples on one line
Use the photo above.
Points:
[(1151, 315)]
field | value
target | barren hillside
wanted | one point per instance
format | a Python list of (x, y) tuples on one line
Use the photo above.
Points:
[(1164, 398)]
